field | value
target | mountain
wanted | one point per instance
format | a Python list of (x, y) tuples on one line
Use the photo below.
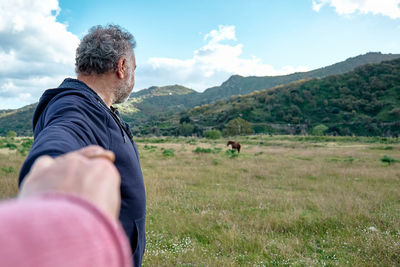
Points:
[(154, 107), (238, 85), (17, 120), (146, 101), (365, 102), (161, 91), (150, 112)]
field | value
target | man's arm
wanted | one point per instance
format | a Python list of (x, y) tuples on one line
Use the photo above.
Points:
[(71, 204), (69, 124), (60, 230)]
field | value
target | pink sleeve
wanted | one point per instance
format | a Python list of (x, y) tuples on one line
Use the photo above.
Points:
[(60, 230)]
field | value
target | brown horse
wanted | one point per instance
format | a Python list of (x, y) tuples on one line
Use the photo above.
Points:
[(234, 145)]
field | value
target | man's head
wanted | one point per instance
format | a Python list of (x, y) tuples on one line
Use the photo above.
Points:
[(107, 50)]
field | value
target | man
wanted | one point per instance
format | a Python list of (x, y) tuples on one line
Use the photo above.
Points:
[(79, 113)]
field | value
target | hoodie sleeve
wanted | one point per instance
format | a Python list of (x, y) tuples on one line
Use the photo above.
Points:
[(67, 124), (63, 230)]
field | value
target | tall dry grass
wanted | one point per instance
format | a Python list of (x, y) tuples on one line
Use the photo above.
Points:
[(10, 164), (279, 203), (284, 201)]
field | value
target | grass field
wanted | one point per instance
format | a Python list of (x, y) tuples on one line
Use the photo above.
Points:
[(283, 201)]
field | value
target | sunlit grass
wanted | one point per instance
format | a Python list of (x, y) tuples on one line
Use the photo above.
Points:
[(289, 202), (283, 201)]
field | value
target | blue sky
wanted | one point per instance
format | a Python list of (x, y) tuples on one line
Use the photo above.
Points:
[(198, 44)]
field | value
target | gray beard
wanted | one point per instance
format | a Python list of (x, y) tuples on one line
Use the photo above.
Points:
[(122, 94)]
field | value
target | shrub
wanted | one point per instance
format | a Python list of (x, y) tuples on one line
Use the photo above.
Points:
[(185, 129), (232, 153), (7, 169), (11, 146), (207, 150), (168, 152), (319, 129), (147, 147), (27, 143), (212, 134), (11, 134), (389, 160)]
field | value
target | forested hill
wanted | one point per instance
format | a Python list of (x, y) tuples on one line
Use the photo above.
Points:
[(161, 91), (238, 85), (154, 107), (144, 112), (17, 120), (365, 101)]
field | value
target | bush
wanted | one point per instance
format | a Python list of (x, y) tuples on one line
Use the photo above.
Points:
[(168, 152), (389, 160), (7, 169), (232, 153), (212, 134), (207, 150), (11, 146), (147, 147), (27, 143), (11, 134), (319, 130), (185, 129)]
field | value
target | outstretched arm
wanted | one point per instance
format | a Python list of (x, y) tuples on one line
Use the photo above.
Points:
[(68, 124), (66, 214)]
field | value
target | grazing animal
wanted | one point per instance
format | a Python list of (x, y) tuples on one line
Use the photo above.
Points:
[(234, 145)]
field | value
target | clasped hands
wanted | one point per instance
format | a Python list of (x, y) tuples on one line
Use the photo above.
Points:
[(88, 173)]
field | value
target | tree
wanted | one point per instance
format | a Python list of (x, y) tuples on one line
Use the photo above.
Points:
[(212, 134), (185, 119), (11, 134), (185, 129), (238, 126), (319, 129)]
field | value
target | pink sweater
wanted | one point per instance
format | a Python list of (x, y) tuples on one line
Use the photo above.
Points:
[(60, 230)]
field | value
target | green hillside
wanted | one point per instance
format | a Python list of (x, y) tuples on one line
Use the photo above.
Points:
[(147, 101), (17, 120), (150, 110), (365, 101), (161, 91), (238, 85), (155, 110)]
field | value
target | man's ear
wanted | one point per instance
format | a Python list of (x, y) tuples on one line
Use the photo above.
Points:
[(122, 66)]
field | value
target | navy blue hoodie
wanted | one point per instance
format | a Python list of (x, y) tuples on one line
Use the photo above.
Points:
[(73, 116)]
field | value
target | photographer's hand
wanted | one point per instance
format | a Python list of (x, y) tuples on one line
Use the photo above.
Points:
[(88, 173)]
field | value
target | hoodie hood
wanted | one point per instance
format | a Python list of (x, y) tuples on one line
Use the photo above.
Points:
[(68, 86)]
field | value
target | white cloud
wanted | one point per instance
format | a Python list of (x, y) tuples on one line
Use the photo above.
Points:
[(389, 8), (210, 65), (223, 33), (36, 51)]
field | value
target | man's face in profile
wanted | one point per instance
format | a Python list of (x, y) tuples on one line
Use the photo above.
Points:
[(128, 81)]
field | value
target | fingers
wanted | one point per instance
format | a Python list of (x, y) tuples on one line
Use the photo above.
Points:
[(109, 155), (38, 166), (42, 162), (88, 173), (97, 152)]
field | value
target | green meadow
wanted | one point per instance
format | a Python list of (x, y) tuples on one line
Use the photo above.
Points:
[(283, 201)]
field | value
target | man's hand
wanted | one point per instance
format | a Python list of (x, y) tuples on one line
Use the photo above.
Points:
[(88, 173)]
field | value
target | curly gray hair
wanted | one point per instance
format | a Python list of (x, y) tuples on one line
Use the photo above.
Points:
[(100, 50)]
